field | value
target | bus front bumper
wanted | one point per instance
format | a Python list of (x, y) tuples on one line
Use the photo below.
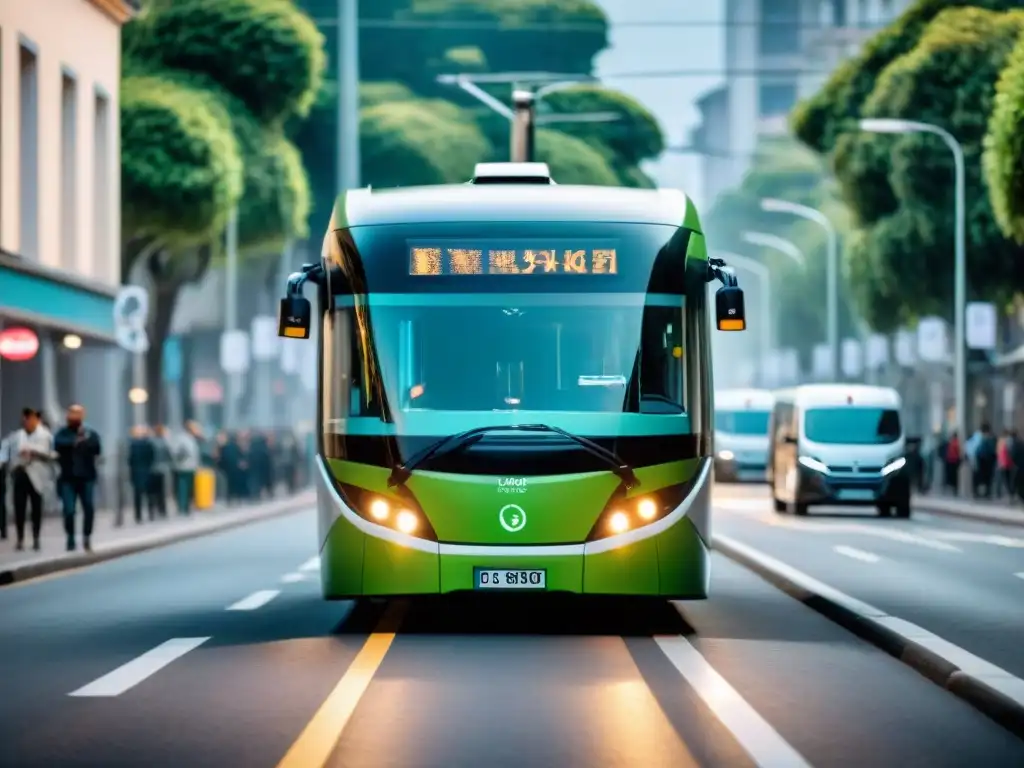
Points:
[(670, 560)]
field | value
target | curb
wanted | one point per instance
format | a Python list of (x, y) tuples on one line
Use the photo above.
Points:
[(982, 516), (33, 570), (984, 686)]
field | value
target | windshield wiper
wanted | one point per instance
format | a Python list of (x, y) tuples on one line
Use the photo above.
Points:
[(403, 471)]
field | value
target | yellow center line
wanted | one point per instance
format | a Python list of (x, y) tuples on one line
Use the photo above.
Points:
[(317, 741)]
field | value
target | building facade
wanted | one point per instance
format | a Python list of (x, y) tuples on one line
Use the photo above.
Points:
[(60, 262), (777, 52)]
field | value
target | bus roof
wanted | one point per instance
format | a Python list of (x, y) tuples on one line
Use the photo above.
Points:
[(513, 202), (753, 399), (840, 394)]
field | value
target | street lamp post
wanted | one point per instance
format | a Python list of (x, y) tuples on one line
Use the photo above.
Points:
[(764, 275), (780, 244), (882, 125), (773, 205)]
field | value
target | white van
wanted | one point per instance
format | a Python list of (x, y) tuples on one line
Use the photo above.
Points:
[(741, 434), (838, 444)]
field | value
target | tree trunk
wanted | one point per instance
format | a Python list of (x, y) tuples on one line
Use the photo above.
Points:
[(164, 299)]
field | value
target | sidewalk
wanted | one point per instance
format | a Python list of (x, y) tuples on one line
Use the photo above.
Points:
[(110, 541), (976, 509)]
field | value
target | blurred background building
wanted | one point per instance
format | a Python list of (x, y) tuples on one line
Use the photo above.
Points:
[(60, 264)]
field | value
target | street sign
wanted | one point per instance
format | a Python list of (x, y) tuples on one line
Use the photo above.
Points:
[(265, 341), (981, 325), (931, 339), (852, 354), (878, 351), (821, 362), (131, 310), (173, 363), (906, 348), (207, 391), (234, 351)]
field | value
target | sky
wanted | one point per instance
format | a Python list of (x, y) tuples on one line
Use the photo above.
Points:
[(671, 46)]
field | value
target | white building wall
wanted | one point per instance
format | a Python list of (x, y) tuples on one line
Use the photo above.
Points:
[(80, 39)]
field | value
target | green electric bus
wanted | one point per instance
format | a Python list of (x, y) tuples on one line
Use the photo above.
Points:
[(515, 388)]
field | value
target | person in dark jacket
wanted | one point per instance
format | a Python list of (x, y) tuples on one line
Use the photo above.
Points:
[(141, 456), (78, 448), (260, 466), (232, 461)]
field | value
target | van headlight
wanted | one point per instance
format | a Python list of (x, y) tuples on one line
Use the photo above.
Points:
[(814, 464), (894, 465), (399, 514), (726, 455)]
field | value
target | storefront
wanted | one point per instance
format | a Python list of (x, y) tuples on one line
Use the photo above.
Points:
[(57, 346)]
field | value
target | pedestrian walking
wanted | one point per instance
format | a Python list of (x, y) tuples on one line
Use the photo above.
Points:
[(141, 455), (5, 462), (186, 458), (288, 461), (261, 477), (1004, 465), (78, 448), (232, 464), (160, 470), (982, 451), (32, 459)]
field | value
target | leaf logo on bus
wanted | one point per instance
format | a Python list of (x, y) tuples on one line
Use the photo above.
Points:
[(512, 518)]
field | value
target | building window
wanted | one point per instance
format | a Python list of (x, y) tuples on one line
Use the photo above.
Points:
[(68, 170), (780, 27), (102, 190), (776, 99), (839, 12), (28, 135)]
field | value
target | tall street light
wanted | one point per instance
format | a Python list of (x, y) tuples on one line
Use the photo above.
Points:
[(883, 125), (764, 275), (780, 244), (774, 205)]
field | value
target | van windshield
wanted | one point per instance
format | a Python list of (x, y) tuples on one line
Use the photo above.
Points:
[(742, 422), (852, 426)]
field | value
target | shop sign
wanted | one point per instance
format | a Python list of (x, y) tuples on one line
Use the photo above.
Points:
[(18, 344)]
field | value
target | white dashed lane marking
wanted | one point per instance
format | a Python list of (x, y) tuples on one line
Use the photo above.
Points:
[(135, 671), (310, 565), (292, 578), (857, 554), (255, 600)]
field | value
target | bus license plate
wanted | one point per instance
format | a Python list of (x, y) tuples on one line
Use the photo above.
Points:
[(490, 578)]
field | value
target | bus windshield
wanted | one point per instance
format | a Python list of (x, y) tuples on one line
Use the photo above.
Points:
[(744, 422), (852, 426)]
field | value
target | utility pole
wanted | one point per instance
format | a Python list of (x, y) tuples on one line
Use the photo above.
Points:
[(348, 165), (524, 126), (234, 387)]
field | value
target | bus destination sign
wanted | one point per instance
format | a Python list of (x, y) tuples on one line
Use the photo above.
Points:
[(434, 260)]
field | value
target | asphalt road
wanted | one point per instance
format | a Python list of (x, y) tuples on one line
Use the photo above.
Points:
[(961, 579), (233, 660)]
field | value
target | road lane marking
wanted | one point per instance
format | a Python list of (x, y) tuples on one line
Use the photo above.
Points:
[(1019, 575), (981, 538), (312, 564), (129, 675), (255, 600), (802, 586), (318, 739), (857, 554), (762, 742), (292, 578)]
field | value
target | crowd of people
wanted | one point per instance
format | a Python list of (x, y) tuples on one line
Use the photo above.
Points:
[(42, 469), (996, 463)]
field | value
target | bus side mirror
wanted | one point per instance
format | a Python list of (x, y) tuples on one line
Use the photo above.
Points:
[(293, 318), (729, 310)]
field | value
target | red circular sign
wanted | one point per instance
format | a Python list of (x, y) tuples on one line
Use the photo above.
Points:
[(18, 344)]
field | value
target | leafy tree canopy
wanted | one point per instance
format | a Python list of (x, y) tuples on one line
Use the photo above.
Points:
[(903, 185), (573, 161), (413, 143), (266, 52), (181, 167), (820, 120), (1004, 148)]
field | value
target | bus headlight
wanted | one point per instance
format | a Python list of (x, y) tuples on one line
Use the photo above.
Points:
[(627, 514), (397, 513)]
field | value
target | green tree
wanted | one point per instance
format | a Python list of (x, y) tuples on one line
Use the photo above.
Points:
[(625, 142), (821, 119), (419, 142), (903, 185), (573, 161), (251, 66), (1004, 148)]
